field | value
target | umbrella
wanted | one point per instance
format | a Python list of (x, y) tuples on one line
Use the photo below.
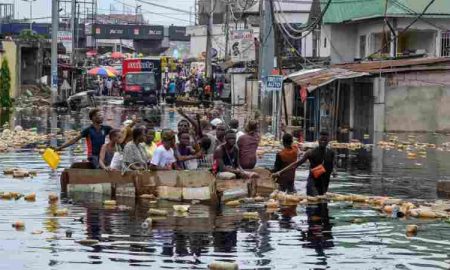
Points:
[(91, 53), (117, 55), (103, 71)]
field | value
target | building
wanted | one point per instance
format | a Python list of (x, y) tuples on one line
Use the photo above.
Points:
[(380, 29), (388, 73), (290, 16), (120, 19)]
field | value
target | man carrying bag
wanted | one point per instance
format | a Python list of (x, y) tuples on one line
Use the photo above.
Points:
[(321, 160)]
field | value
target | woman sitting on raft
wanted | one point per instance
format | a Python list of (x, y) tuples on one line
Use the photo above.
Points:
[(134, 154), (109, 149)]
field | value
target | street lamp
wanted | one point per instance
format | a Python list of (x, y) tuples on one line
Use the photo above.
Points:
[(31, 12), (136, 14)]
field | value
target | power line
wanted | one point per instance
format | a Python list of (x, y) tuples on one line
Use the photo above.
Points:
[(150, 12), (282, 15), (406, 28), (411, 11), (310, 27), (166, 7)]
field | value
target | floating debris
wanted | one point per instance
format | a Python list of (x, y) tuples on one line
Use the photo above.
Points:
[(109, 203), (19, 225), (223, 266), (411, 229), (30, 197), (181, 208), (53, 198), (87, 242), (148, 196), (235, 203), (250, 215), (157, 212), (61, 212), (272, 204)]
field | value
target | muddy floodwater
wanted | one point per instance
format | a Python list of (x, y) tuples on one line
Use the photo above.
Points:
[(289, 239)]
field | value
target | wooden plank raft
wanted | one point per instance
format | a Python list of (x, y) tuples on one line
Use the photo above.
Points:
[(171, 185)]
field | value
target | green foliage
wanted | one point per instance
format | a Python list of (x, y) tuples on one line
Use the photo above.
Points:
[(5, 85), (29, 35)]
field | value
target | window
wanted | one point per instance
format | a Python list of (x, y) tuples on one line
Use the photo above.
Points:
[(362, 46), (445, 44), (325, 42)]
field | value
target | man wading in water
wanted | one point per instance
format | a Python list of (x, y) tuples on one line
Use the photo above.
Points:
[(321, 160)]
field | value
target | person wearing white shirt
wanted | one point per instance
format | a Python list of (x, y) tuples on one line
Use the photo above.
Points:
[(187, 87), (164, 156)]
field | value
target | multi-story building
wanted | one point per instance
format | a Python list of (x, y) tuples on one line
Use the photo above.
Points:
[(372, 29)]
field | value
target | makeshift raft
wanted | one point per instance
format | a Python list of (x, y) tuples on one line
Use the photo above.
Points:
[(169, 185)]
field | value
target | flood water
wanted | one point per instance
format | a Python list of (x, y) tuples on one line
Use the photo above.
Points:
[(288, 239)]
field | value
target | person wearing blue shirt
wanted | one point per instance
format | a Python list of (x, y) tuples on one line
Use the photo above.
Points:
[(95, 136)]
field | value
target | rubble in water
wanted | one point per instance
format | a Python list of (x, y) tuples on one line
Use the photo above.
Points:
[(33, 97), (391, 207), (11, 140)]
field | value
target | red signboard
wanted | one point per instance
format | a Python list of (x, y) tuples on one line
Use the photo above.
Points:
[(137, 65)]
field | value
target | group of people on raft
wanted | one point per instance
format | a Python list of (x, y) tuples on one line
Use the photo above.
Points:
[(200, 144)]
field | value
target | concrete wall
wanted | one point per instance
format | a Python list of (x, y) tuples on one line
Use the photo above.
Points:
[(252, 94), (342, 40), (341, 43), (418, 102), (238, 94), (11, 55)]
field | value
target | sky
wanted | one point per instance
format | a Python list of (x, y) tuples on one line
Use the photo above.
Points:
[(155, 15)]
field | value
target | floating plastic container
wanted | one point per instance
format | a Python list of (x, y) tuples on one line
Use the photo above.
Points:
[(51, 157)]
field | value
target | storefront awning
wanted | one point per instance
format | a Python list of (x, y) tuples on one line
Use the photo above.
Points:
[(314, 78)]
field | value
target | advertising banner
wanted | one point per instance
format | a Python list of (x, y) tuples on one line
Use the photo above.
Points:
[(242, 45), (65, 37)]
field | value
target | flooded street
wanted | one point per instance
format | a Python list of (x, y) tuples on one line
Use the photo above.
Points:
[(289, 239)]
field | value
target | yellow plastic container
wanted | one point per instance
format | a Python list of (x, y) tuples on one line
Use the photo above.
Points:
[(51, 157), (157, 137)]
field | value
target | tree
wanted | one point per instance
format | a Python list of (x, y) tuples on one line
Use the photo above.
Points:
[(5, 85)]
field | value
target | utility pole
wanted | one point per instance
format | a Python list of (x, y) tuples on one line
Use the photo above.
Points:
[(73, 13), (54, 51), (281, 96), (266, 57), (208, 63), (227, 29), (195, 13), (136, 14)]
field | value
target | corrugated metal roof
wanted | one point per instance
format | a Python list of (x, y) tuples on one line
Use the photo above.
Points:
[(314, 78), (386, 66), (351, 10)]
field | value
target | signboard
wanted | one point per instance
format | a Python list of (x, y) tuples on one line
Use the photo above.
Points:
[(65, 37), (117, 31), (147, 32), (274, 83), (178, 33), (16, 28), (242, 45), (214, 53), (138, 65)]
